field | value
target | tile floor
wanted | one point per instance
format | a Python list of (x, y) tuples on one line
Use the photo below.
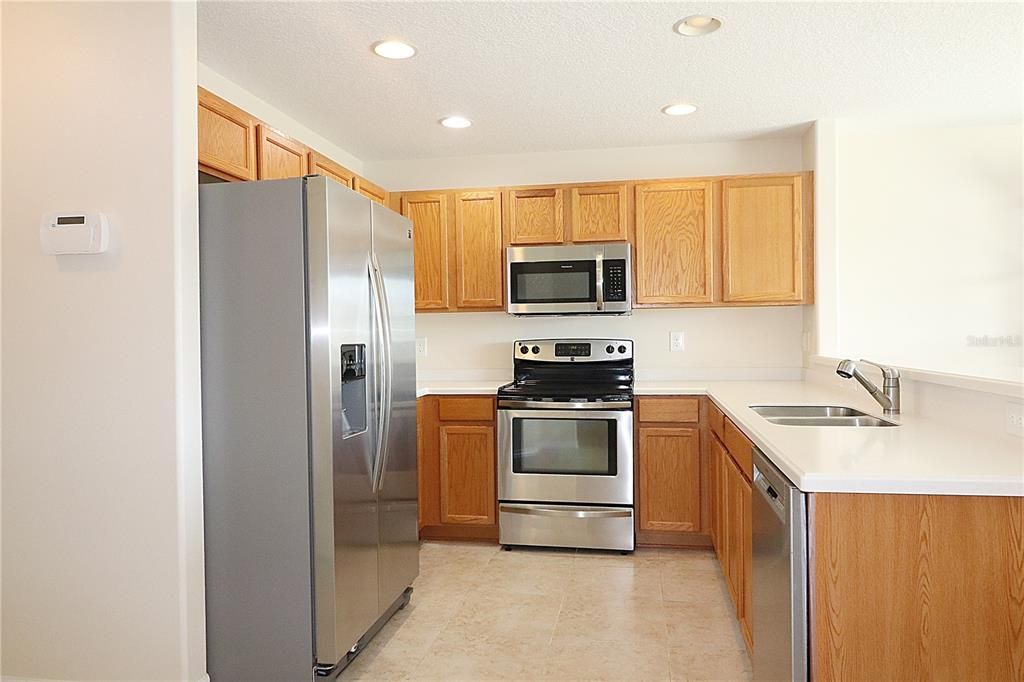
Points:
[(480, 613)]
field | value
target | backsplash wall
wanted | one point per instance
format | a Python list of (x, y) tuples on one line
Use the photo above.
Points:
[(720, 343)]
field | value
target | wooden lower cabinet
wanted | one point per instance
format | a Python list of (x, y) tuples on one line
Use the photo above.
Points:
[(746, 569), (731, 528), (671, 472), (916, 587), (668, 464), (467, 471), (457, 459)]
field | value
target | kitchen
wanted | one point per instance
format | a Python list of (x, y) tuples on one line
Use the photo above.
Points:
[(606, 312)]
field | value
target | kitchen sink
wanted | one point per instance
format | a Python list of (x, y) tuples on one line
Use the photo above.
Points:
[(806, 411), (818, 415)]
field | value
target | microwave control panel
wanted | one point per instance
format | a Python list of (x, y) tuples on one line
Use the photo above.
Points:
[(615, 280)]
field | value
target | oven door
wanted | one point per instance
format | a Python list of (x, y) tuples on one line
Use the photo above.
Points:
[(555, 286), (573, 456)]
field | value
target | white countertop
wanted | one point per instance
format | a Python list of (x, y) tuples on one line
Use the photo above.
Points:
[(918, 457)]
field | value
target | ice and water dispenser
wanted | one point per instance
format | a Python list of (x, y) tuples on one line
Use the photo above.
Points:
[(353, 389)]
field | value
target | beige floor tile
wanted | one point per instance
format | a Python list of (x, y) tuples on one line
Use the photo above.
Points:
[(685, 585), (688, 663), (642, 556), (459, 655), (613, 661), (611, 619), (528, 573), (478, 613), (690, 559), (710, 625), (497, 614), (597, 580)]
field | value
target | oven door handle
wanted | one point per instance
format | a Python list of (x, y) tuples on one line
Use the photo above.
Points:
[(542, 405), (573, 512)]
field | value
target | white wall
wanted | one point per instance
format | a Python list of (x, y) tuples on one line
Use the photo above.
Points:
[(101, 491), (778, 155), (276, 118), (721, 343), (930, 247)]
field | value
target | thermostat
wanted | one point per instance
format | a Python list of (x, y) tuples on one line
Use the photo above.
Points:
[(74, 232)]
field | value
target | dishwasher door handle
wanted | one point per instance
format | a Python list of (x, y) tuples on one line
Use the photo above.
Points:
[(770, 495)]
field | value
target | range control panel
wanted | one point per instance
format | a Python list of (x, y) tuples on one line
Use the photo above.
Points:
[(573, 350), (615, 280)]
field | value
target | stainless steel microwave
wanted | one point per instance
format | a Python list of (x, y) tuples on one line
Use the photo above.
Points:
[(590, 279)]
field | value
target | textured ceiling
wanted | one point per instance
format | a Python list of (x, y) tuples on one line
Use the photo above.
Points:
[(585, 75)]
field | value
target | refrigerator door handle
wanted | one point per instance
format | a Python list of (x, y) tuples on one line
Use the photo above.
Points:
[(384, 315), (378, 357)]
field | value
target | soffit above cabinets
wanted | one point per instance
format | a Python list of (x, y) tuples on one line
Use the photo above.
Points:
[(554, 76)]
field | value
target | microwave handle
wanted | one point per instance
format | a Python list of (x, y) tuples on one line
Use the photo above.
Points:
[(599, 279)]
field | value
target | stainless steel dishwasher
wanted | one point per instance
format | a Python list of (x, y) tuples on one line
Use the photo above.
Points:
[(779, 512)]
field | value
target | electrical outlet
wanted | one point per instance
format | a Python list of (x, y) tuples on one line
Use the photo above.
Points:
[(676, 342), (421, 347), (1015, 419)]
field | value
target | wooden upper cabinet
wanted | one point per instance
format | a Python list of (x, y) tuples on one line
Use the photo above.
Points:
[(535, 216), (429, 215), (668, 468), (370, 190), (599, 213), (674, 243), (764, 255), (467, 459), (321, 165), (281, 156), (227, 139), (478, 250)]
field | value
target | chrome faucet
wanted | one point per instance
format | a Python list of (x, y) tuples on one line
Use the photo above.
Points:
[(888, 396)]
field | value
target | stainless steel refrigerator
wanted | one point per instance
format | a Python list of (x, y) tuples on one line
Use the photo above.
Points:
[(309, 424)]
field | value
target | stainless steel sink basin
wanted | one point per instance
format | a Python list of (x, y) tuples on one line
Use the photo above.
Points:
[(818, 415), (866, 420), (806, 411)]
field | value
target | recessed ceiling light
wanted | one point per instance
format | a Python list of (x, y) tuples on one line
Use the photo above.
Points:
[(393, 49), (697, 25), (455, 122), (678, 109)]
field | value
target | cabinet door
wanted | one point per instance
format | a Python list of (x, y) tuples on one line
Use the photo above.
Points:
[(227, 139), (535, 216), (718, 503), (280, 156), (763, 240), (668, 467), (321, 165), (478, 261), (599, 213), (746, 551), (734, 532), (468, 482), (674, 255), (370, 190), (429, 215)]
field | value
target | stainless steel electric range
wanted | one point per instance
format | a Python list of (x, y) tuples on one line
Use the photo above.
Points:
[(565, 445)]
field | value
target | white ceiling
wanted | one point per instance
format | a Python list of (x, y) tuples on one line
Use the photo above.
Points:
[(586, 75)]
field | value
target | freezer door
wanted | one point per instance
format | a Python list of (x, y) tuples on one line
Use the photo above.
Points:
[(397, 482), (343, 384)]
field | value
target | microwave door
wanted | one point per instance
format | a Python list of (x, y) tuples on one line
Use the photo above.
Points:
[(553, 286)]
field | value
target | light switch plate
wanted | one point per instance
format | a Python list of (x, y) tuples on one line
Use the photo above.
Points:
[(421, 346), (676, 342), (1015, 419)]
